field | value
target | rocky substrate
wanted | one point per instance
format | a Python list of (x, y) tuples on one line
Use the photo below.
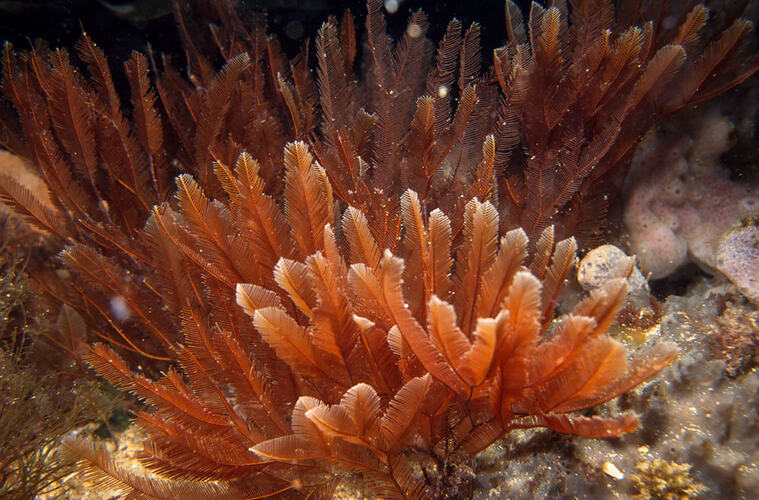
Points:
[(699, 434)]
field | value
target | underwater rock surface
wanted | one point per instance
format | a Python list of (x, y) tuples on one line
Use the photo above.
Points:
[(699, 432)]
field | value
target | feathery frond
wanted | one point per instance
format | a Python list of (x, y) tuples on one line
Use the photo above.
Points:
[(340, 285)]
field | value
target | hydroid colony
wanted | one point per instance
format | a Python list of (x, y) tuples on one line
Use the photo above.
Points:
[(327, 278)]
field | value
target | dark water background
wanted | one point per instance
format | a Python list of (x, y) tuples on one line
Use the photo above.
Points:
[(60, 22)]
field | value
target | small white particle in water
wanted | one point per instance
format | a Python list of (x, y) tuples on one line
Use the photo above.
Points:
[(414, 30), (442, 91), (391, 6), (119, 308), (611, 470)]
